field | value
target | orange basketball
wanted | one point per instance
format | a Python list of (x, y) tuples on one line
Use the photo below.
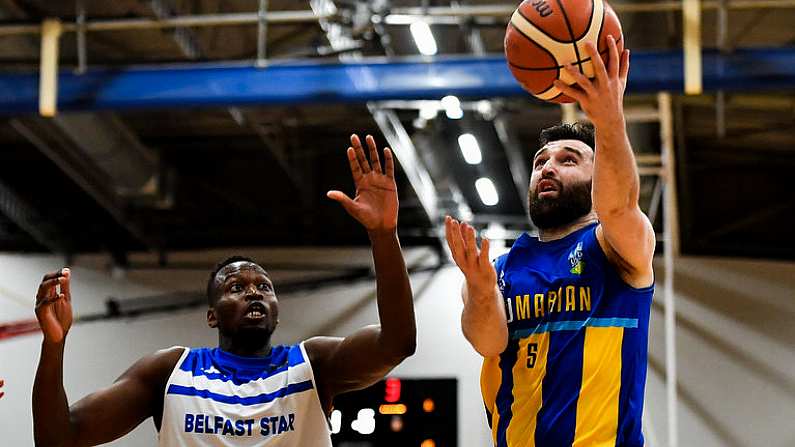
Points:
[(545, 35)]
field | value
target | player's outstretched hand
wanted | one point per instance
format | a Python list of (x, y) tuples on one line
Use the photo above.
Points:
[(54, 306), (376, 203), (602, 98), (473, 262)]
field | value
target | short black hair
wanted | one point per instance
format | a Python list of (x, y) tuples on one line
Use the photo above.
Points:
[(576, 131), (218, 267)]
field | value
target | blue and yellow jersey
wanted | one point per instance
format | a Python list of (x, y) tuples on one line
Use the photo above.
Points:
[(574, 371)]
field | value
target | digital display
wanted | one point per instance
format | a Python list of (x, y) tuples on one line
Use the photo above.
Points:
[(398, 412)]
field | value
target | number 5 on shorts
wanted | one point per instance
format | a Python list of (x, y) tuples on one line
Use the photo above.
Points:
[(532, 354)]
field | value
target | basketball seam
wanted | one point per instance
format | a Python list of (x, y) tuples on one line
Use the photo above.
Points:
[(537, 45), (538, 96), (587, 59), (544, 91), (541, 30), (590, 20), (571, 33), (601, 27)]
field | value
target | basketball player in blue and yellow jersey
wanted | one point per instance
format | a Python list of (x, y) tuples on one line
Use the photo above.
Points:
[(562, 319), (245, 392)]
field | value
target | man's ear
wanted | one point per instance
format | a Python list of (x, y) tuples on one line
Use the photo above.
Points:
[(211, 320)]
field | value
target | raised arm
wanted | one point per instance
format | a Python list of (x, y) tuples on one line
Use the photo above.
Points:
[(483, 319), (625, 232), (101, 416), (367, 355)]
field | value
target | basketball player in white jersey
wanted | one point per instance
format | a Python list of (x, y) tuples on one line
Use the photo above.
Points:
[(245, 392)]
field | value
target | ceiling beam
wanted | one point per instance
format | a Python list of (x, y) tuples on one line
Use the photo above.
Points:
[(340, 37), (54, 143), (397, 16), (27, 217)]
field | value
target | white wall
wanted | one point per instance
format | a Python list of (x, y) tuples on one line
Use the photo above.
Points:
[(735, 342), (736, 354), (98, 352)]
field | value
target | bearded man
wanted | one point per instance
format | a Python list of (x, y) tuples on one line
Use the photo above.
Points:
[(562, 319)]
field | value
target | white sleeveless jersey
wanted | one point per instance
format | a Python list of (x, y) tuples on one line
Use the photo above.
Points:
[(214, 399)]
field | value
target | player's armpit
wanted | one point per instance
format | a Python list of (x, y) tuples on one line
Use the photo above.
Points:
[(137, 394), (628, 241), (351, 363)]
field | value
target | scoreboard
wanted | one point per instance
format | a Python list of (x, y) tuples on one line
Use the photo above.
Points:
[(398, 412)]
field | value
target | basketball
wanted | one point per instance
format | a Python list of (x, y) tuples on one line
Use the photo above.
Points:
[(543, 36)]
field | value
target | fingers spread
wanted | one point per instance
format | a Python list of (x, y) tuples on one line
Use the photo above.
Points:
[(456, 243), (343, 199), (581, 80), (357, 146), (484, 252), (572, 92), (624, 71), (376, 162), (596, 60), (389, 163), (471, 242), (338, 196), (356, 169), (448, 234), (613, 60)]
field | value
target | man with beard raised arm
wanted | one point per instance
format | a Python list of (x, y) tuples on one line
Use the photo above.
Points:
[(562, 319), (245, 392)]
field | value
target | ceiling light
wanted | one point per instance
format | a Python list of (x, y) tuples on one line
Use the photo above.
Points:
[(470, 148), (423, 37), (429, 109), (452, 107), (487, 191)]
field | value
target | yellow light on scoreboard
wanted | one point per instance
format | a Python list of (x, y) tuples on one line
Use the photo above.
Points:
[(428, 405), (428, 443), (392, 409)]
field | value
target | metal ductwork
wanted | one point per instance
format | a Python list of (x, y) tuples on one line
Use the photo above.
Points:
[(115, 150)]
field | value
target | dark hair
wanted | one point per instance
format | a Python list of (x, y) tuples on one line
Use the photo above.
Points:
[(577, 131), (218, 267)]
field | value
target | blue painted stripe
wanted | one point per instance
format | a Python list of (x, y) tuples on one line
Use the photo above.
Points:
[(771, 69), (554, 326), (293, 388)]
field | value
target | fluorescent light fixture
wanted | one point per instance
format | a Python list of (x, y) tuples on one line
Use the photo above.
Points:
[(365, 421), (487, 191), (470, 148), (423, 37), (485, 109), (429, 109), (336, 421), (452, 107)]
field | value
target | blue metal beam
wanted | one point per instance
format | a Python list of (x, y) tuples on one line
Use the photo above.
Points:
[(312, 82)]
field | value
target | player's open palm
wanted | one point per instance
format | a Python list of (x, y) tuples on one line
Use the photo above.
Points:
[(376, 203), (54, 305), (473, 262)]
